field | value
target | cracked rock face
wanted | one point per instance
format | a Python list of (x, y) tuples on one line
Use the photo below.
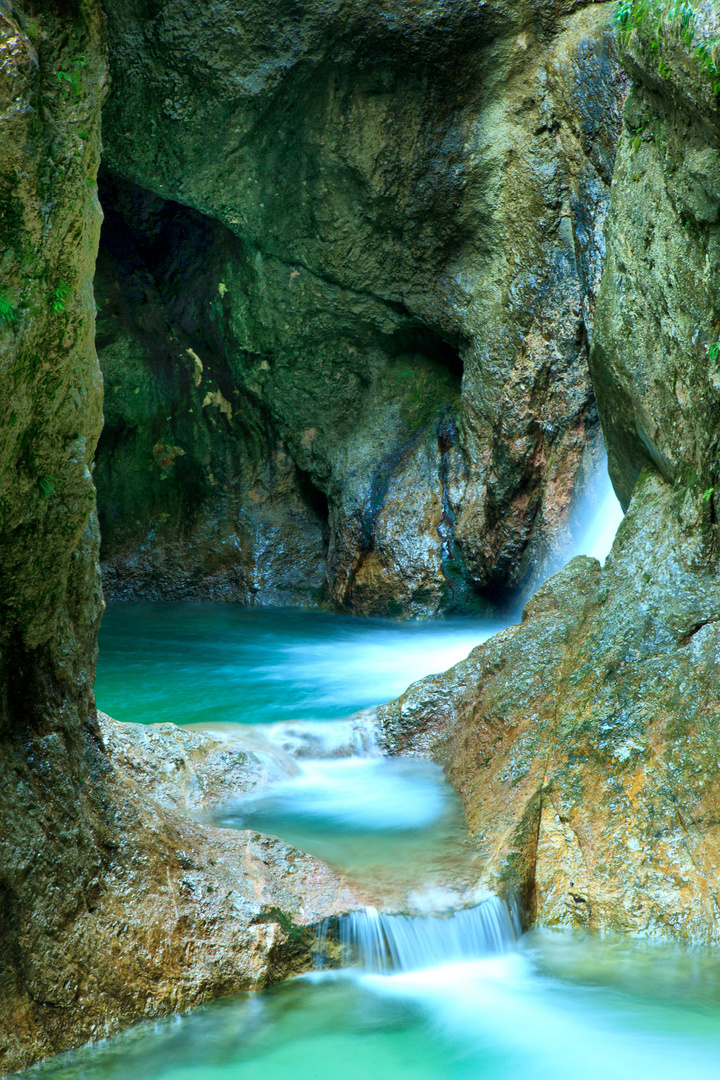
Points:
[(345, 292)]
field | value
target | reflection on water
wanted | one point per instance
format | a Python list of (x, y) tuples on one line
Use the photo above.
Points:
[(560, 1008), (192, 663)]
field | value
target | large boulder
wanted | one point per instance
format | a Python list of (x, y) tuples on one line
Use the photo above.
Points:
[(584, 741), (346, 294)]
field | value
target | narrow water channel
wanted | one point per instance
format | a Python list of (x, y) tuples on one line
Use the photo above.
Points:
[(448, 992)]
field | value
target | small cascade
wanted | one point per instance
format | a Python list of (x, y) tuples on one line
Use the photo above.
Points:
[(591, 530), (389, 943)]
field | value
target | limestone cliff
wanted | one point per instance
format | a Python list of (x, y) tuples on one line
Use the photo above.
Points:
[(585, 740), (346, 289), (113, 906)]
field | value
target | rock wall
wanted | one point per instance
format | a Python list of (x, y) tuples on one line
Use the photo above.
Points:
[(114, 905), (346, 290), (585, 740), (656, 374), (427, 217), (199, 495), (52, 77)]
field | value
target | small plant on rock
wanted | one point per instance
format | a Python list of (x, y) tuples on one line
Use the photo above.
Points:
[(71, 82), (7, 310), (58, 298), (48, 486), (660, 19), (707, 54)]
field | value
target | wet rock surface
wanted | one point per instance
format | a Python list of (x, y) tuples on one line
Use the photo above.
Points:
[(654, 365), (437, 190), (344, 311), (585, 740), (99, 885), (182, 912)]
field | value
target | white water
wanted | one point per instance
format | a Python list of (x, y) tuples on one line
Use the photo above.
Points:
[(600, 520), (387, 659), (201, 663), (391, 943), (591, 530), (373, 793), (558, 1007), (392, 825), (542, 1029)]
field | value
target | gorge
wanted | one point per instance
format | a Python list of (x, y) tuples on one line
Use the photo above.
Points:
[(374, 284)]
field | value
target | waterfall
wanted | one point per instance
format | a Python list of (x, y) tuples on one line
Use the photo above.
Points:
[(385, 943), (600, 522)]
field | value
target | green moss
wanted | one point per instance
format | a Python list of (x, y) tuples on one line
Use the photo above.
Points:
[(660, 20), (420, 388), (285, 922)]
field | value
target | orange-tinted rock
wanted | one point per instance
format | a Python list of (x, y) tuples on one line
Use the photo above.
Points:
[(182, 912), (585, 741)]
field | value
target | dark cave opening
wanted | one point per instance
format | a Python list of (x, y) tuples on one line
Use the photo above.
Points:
[(316, 499), (439, 350)]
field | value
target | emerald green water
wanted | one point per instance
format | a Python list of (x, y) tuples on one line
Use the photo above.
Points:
[(553, 1007), (561, 1007), (192, 663), (395, 825)]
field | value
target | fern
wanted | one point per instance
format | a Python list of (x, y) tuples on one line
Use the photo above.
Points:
[(57, 301), (48, 486)]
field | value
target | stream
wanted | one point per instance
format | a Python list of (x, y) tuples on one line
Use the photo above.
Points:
[(448, 992)]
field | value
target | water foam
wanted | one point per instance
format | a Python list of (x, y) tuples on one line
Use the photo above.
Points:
[(398, 943)]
